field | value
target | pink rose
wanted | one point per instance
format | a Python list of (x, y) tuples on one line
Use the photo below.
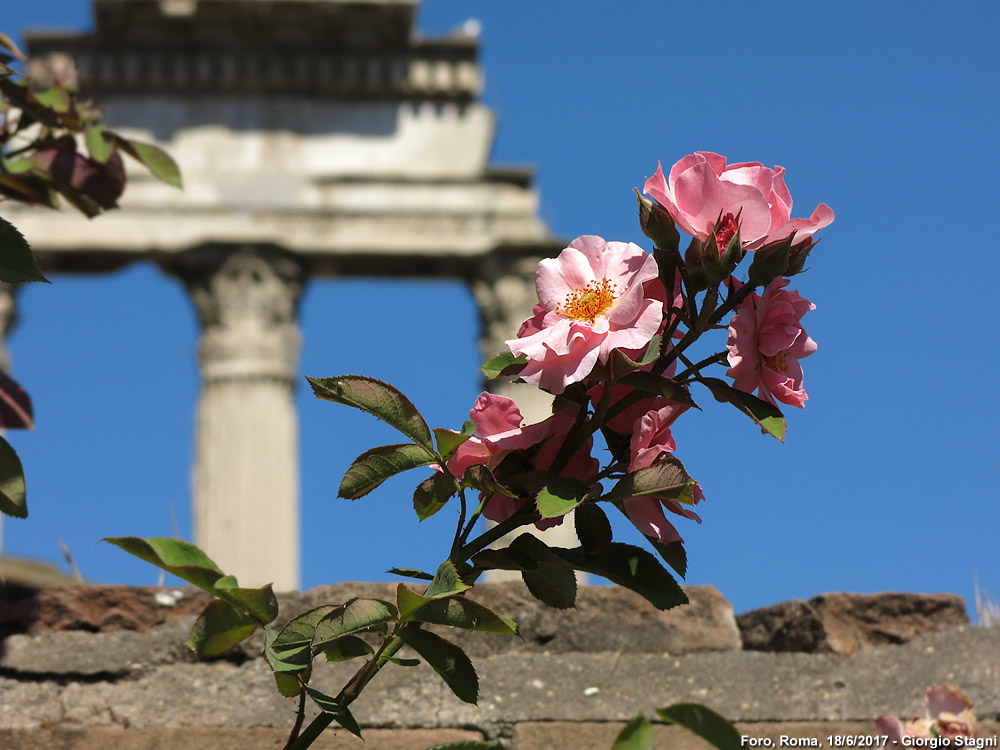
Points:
[(498, 430), (947, 713), (592, 300), (702, 190), (651, 438), (766, 342), (581, 465)]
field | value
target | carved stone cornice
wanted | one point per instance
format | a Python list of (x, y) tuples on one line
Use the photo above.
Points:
[(246, 300)]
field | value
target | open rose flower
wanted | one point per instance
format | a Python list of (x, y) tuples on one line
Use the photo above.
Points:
[(947, 713), (766, 342), (702, 190), (651, 438), (592, 299), (499, 431)]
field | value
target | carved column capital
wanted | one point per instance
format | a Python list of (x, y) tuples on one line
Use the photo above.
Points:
[(247, 301)]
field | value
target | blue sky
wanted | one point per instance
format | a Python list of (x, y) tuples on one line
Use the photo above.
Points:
[(890, 477)]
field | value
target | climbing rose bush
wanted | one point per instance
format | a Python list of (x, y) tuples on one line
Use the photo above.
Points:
[(623, 340)]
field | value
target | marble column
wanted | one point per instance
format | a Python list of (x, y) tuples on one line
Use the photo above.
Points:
[(505, 293), (246, 475)]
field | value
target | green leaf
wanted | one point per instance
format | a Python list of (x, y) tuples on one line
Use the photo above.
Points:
[(431, 494), (348, 647), (766, 415), (288, 685), (447, 659), (261, 603), (8, 44), (54, 98), (592, 528), (402, 662), (503, 559), (409, 601), (448, 441), (461, 612), (666, 478), (635, 569), (659, 385), (98, 144), (374, 466), (379, 399), (290, 650), (354, 616), (469, 745), (505, 363), (220, 627), (551, 581), (13, 492), (673, 554), (411, 573), (175, 556), (704, 722), (560, 496), (340, 713), (17, 264), (155, 159), (446, 582), (637, 735)]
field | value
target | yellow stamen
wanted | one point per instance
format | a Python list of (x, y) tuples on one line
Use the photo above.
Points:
[(586, 304)]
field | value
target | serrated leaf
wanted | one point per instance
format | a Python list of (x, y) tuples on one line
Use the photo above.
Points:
[(411, 573), (219, 627), (374, 466), (560, 496), (447, 659), (660, 385), (432, 494), (503, 559), (448, 441), (13, 492), (175, 556), (461, 612), (703, 721), (505, 363), (379, 399), (638, 734), (666, 478), (766, 415), (98, 144), (673, 554), (17, 264), (340, 713), (16, 411), (354, 616), (631, 567), (155, 159), (446, 582), (288, 684), (260, 602), (592, 528), (409, 601), (290, 650), (469, 745), (552, 582), (348, 647)]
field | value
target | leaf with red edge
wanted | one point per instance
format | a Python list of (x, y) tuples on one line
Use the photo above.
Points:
[(154, 158), (15, 405)]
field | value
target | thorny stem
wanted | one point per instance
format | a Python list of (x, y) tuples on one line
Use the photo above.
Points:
[(456, 545), (300, 716)]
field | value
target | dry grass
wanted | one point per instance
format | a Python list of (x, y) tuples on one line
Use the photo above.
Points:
[(987, 608)]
